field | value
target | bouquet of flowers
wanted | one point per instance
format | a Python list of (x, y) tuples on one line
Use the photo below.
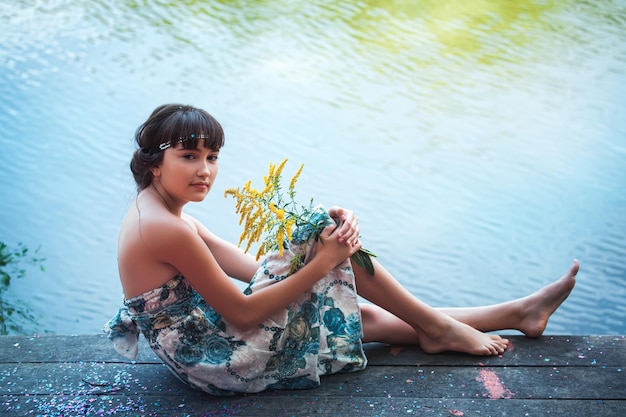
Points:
[(278, 218)]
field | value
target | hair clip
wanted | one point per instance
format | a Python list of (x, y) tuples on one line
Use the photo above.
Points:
[(163, 146)]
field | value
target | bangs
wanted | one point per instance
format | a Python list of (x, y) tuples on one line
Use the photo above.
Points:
[(191, 127)]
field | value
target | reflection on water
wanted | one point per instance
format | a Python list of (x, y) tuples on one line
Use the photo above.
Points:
[(481, 143)]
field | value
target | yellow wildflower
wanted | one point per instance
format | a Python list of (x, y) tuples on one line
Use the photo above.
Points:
[(279, 170), (270, 213), (294, 179), (280, 238)]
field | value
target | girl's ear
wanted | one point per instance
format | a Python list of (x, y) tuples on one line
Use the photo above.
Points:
[(156, 172)]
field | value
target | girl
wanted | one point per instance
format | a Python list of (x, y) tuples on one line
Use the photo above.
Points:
[(287, 328)]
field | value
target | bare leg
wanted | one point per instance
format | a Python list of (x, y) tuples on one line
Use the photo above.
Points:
[(379, 325), (435, 330), (529, 314)]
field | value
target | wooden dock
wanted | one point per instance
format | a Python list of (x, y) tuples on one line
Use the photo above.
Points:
[(557, 376)]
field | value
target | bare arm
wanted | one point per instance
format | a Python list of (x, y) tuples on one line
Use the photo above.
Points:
[(233, 260), (242, 266), (185, 250)]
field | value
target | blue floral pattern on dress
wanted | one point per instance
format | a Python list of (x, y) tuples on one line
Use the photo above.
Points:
[(318, 334)]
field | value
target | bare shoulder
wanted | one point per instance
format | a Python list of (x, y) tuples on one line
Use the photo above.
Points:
[(165, 234), (192, 222), (200, 228), (149, 244)]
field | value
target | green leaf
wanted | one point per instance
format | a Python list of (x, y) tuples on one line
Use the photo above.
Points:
[(363, 259), (14, 313)]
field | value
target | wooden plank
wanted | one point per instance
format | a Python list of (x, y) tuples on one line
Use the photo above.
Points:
[(599, 383), (62, 348), (296, 405), (82, 375), (544, 351)]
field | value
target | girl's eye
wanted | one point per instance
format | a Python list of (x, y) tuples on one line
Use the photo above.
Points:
[(212, 158), (188, 156)]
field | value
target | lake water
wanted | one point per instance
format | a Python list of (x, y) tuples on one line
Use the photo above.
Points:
[(482, 144)]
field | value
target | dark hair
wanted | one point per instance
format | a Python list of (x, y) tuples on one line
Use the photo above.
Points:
[(167, 125)]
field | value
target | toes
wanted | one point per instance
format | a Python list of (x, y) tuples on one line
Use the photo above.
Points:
[(497, 346), (490, 350)]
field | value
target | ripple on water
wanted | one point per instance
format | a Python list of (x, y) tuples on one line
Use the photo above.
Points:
[(477, 174)]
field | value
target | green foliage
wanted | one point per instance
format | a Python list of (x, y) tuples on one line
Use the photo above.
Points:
[(13, 262)]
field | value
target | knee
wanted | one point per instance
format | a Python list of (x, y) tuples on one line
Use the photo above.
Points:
[(369, 313)]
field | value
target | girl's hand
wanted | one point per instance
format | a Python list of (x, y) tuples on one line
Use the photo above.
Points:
[(348, 230), (331, 248)]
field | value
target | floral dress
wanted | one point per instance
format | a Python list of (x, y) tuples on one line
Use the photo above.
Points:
[(318, 334)]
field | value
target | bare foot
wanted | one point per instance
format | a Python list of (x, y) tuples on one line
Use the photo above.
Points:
[(452, 335), (539, 306)]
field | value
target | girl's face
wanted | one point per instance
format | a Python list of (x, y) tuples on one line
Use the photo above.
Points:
[(187, 174)]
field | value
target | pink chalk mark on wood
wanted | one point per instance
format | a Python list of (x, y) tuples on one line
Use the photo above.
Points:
[(492, 383), (510, 347)]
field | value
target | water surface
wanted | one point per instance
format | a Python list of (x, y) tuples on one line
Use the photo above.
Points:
[(482, 144)]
